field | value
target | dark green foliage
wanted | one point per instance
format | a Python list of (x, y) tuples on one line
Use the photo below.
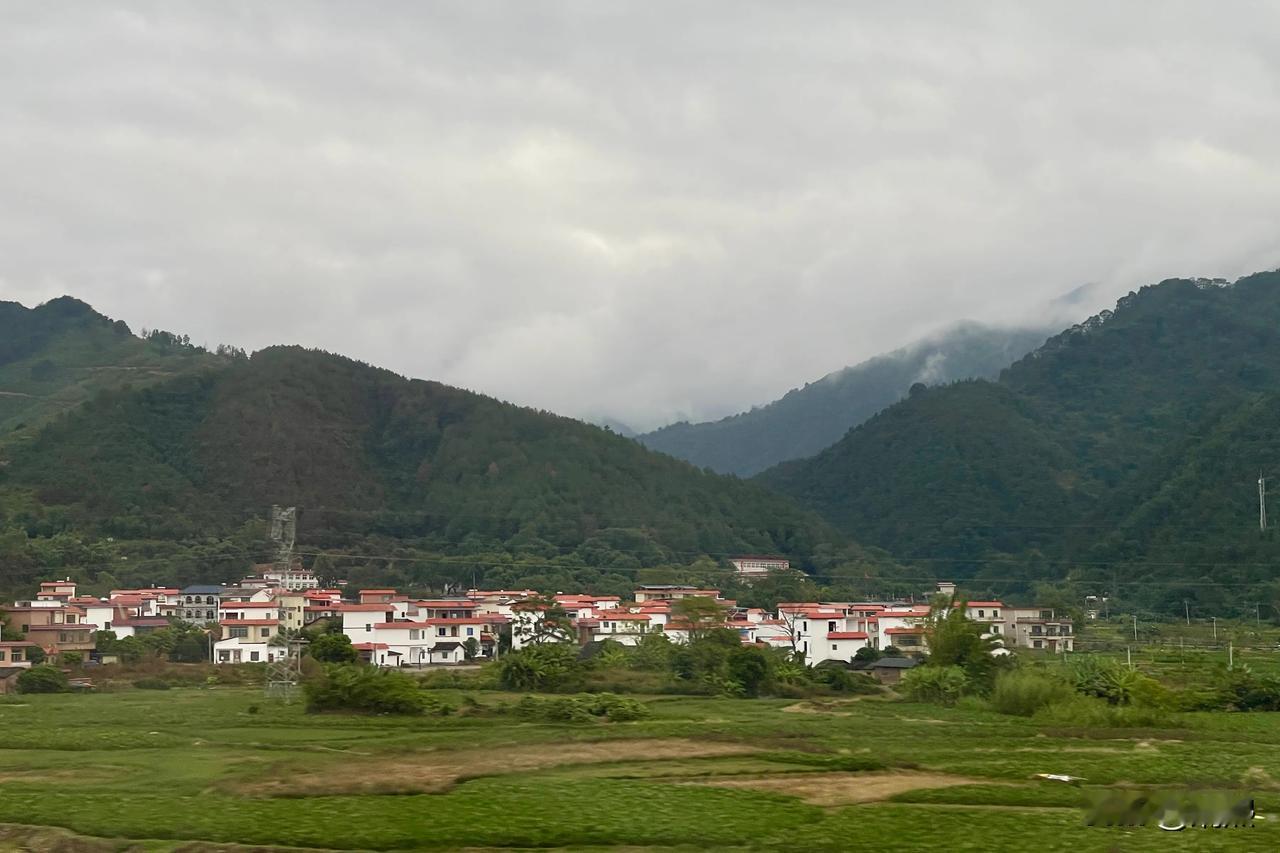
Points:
[(942, 685), (1024, 692), (841, 680), (813, 417), (749, 667), (333, 648), (456, 485), (867, 653), (43, 679), (71, 658), (601, 706), (369, 690), (955, 640), (1125, 450), (151, 684), (547, 666)]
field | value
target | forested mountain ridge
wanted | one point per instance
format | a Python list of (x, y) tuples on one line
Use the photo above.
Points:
[(59, 354), (389, 467), (1125, 447), (805, 420)]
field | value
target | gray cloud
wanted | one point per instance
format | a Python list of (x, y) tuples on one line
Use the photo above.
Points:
[(636, 209)]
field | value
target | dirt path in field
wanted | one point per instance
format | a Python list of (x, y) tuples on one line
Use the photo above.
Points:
[(841, 789), (433, 772)]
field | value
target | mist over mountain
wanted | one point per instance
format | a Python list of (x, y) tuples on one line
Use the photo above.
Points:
[(807, 419), (1123, 452)]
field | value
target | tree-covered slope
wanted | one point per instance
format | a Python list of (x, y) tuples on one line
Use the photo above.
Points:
[(368, 454), (1131, 439), (808, 419), (57, 355)]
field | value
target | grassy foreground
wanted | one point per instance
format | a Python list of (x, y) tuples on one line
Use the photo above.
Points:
[(158, 769)]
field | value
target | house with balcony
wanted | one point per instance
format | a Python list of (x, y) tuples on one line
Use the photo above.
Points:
[(1039, 628), (55, 627), (200, 604), (248, 641)]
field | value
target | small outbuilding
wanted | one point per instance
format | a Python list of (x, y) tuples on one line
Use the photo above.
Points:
[(889, 670)]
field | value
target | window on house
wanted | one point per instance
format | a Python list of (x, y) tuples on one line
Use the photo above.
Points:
[(833, 647), (471, 632), (415, 634), (2, 654), (253, 656), (831, 626), (995, 614), (982, 614), (266, 632), (442, 632), (239, 633), (804, 626), (208, 599), (1038, 644)]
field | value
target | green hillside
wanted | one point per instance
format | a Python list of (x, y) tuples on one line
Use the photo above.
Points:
[(1123, 454), (807, 419), (57, 355), (384, 467)]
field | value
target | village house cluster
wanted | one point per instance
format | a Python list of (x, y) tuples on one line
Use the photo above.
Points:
[(250, 621)]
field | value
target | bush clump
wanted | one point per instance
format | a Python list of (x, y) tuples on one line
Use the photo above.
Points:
[(941, 685), (1021, 693), (568, 709), (151, 684), (43, 679), (365, 689), (1091, 712)]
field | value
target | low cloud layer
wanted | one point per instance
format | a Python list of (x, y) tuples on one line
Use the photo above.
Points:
[(641, 210)]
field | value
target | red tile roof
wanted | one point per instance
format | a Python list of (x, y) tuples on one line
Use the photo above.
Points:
[(904, 631), (237, 622), (983, 604), (846, 635)]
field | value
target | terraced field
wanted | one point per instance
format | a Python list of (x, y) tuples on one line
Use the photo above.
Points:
[(197, 769)]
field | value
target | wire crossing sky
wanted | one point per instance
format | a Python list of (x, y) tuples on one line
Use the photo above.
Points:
[(644, 210)]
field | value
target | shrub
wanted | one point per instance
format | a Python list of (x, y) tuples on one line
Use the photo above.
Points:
[(842, 680), (567, 709), (749, 667), (347, 687), (333, 648), (151, 684), (43, 679), (548, 666), (1092, 712), (1022, 692), (71, 658), (942, 685)]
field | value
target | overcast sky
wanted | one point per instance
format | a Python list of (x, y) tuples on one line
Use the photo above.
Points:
[(643, 210)]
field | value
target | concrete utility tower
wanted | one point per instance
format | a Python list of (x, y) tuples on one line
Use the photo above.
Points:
[(284, 532), (1262, 501)]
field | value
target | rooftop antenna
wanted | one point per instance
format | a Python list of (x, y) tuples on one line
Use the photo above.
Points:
[(1262, 502)]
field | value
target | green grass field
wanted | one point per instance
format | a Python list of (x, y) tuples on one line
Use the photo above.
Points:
[(158, 769)]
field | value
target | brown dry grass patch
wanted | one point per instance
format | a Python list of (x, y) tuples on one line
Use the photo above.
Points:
[(840, 789), (438, 771)]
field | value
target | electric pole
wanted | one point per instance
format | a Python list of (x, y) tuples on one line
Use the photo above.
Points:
[(1135, 627), (1262, 502), (1215, 628), (1187, 608)]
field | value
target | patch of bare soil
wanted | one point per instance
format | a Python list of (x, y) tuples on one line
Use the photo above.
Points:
[(434, 772), (839, 789)]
